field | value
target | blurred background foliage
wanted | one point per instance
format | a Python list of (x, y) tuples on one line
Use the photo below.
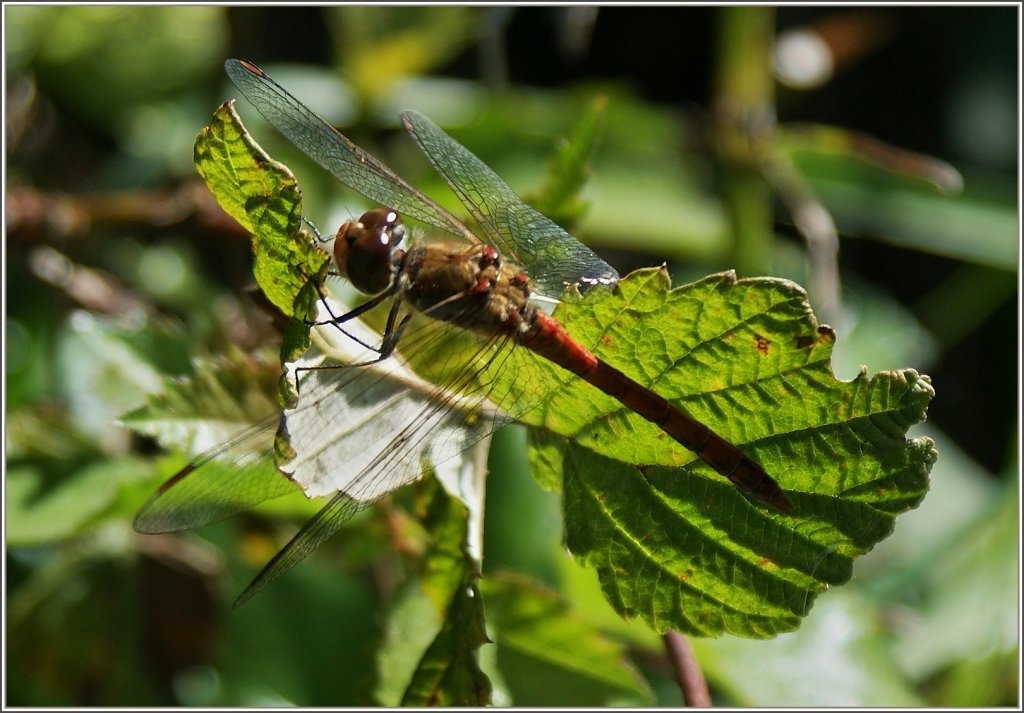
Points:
[(119, 272)]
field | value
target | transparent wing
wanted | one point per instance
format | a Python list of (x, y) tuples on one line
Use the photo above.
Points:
[(224, 481), (357, 461), (350, 164), (314, 533), (358, 436), (552, 258), (355, 434), (357, 449)]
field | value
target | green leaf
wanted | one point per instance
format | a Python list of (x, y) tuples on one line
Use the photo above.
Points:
[(296, 339), (672, 540), (570, 168), (103, 370), (899, 208), (972, 587), (381, 45), (38, 515), (228, 404), (410, 628), (261, 194), (855, 146), (223, 396), (540, 640), (449, 672)]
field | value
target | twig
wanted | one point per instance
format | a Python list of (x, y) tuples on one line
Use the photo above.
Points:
[(815, 224), (688, 673), (35, 216)]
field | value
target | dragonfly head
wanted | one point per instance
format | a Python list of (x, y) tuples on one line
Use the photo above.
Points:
[(363, 249)]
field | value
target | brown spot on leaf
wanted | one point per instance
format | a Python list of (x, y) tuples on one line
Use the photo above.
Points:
[(763, 343), (824, 334)]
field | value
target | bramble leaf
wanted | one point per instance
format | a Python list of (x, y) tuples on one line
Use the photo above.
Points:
[(673, 541), (262, 195)]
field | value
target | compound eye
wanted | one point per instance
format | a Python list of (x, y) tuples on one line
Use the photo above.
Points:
[(363, 249)]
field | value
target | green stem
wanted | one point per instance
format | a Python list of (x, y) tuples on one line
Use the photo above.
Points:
[(744, 109)]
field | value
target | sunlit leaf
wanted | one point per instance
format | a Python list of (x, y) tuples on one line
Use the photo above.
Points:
[(263, 197), (673, 541)]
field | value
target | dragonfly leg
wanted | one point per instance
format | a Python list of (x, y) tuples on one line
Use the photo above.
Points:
[(337, 321), (309, 224), (392, 333)]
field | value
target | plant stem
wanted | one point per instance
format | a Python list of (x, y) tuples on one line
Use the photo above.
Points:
[(744, 115), (688, 673)]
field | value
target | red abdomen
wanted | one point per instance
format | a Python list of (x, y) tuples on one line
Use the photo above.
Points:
[(549, 339)]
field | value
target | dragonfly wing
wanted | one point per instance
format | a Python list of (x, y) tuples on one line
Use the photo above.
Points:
[(398, 464), (359, 434), (222, 482), (368, 430), (314, 533), (552, 257), (350, 164), (355, 434)]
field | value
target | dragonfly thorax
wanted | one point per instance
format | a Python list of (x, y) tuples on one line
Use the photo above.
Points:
[(363, 249), (467, 285)]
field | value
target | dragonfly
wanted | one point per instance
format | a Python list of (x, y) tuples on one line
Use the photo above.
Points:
[(489, 284)]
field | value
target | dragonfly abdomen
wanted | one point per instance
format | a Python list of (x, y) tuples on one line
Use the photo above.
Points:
[(549, 339)]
